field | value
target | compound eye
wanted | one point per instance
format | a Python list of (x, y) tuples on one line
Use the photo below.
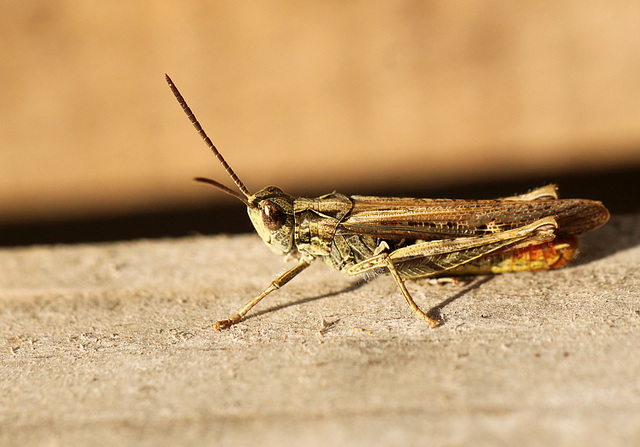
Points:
[(272, 216)]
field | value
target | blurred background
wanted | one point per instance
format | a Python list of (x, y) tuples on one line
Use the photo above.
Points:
[(414, 98)]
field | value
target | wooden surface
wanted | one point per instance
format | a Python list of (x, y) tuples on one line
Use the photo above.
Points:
[(313, 97), (113, 344)]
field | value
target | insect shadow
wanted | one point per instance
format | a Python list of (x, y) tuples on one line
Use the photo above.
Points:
[(434, 312), (621, 233), (349, 288), (471, 284)]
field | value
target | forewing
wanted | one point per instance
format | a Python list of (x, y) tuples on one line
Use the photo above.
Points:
[(429, 219)]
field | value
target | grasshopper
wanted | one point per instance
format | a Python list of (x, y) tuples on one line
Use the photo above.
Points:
[(410, 238)]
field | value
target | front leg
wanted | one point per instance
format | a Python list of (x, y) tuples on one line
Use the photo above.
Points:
[(275, 284)]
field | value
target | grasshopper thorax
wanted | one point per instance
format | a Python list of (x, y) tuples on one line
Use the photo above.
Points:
[(271, 213)]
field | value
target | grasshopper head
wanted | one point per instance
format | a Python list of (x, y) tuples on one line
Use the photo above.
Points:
[(271, 213)]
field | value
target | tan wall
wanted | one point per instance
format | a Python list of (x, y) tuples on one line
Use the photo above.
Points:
[(308, 95)]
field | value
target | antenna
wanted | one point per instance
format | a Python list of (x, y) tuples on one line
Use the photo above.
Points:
[(209, 143), (223, 188)]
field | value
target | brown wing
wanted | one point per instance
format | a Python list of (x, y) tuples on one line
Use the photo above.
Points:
[(428, 219)]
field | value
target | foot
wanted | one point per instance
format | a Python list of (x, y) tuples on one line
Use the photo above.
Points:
[(224, 324)]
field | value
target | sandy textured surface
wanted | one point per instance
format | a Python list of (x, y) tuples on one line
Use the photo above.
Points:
[(113, 345)]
